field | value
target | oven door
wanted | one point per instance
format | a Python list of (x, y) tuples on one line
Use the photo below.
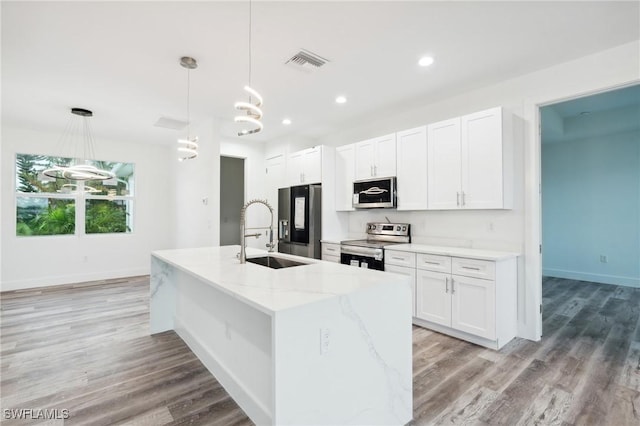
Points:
[(362, 257), (374, 193)]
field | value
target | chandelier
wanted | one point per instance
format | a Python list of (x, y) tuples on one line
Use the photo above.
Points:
[(188, 148), (252, 113), (83, 170)]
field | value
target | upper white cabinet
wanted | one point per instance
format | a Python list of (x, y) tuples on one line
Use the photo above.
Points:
[(469, 162), (345, 175), (411, 155), (443, 164), (304, 167), (376, 157)]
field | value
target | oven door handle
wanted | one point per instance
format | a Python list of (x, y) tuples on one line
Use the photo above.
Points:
[(374, 190)]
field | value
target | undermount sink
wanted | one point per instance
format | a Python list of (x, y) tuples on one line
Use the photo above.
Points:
[(275, 262)]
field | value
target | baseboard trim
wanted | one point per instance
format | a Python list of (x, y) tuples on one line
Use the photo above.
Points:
[(71, 279), (596, 278)]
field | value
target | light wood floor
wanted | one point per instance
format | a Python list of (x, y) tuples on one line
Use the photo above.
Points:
[(86, 348)]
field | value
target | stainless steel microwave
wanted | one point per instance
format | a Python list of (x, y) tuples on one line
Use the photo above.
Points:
[(374, 193)]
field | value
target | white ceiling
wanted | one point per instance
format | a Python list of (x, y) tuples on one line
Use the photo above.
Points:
[(121, 59)]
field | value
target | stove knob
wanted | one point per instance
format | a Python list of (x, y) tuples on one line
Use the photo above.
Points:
[(398, 228), (404, 228)]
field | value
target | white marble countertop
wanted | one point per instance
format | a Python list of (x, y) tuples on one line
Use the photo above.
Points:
[(273, 290), (470, 253)]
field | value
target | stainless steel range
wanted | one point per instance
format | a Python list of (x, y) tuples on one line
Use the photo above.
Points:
[(369, 253)]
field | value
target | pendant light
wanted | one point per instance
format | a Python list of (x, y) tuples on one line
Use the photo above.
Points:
[(252, 113), (78, 134), (188, 148)]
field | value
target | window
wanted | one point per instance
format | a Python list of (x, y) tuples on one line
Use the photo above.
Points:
[(46, 206)]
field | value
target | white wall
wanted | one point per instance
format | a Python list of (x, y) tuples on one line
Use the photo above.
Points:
[(517, 229), (197, 191), (50, 260), (253, 153)]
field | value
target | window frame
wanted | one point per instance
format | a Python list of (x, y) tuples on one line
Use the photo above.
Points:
[(80, 198)]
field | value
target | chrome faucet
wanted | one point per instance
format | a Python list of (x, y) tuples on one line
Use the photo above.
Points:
[(243, 215)]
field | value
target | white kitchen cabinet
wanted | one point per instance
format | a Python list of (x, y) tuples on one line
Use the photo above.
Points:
[(376, 157), (443, 164), (470, 162), (304, 167), (345, 175), (473, 306), (411, 273), (411, 157), (433, 299), (472, 298), (330, 252), (403, 263)]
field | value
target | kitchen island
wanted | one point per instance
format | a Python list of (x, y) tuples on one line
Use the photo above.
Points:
[(320, 343)]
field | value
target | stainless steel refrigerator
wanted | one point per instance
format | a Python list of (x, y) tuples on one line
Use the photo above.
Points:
[(299, 220)]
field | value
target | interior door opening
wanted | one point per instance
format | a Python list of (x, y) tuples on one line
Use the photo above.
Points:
[(231, 199), (590, 198)]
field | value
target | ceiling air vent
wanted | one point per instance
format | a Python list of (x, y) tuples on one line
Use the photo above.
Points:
[(171, 123), (306, 61)]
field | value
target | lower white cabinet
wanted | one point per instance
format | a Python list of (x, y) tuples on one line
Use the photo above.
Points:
[(410, 272), (331, 252), (473, 306), (469, 298), (463, 303), (433, 297)]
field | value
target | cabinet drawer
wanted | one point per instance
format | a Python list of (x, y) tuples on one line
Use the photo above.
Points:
[(434, 262), (400, 258), (330, 249), (484, 269)]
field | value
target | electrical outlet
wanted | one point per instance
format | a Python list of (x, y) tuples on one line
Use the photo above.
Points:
[(604, 258), (324, 340)]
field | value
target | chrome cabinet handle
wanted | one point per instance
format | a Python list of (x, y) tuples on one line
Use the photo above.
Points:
[(463, 198), (446, 284), (471, 268), (431, 263), (371, 170), (397, 258), (458, 199), (452, 288), (375, 170), (329, 249)]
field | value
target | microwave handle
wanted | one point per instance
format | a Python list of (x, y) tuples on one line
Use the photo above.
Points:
[(374, 190)]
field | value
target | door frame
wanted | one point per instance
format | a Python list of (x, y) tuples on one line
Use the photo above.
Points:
[(530, 320)]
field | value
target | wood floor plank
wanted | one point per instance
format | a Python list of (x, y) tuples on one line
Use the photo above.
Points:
[(86, 347)]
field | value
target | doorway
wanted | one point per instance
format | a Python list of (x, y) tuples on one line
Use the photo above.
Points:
[(231, 199)]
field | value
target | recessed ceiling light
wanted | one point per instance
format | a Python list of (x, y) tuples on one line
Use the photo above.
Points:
[(286, 121), (341, 100), (425, 61)]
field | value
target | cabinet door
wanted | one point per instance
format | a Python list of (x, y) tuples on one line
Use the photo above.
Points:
[(473, 306), (365, 153), (411, 149), (294, 168), (385, 156), (433, 300), (481, 151), (345, 175), (411, 273), (312, 165), (443, 164)]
